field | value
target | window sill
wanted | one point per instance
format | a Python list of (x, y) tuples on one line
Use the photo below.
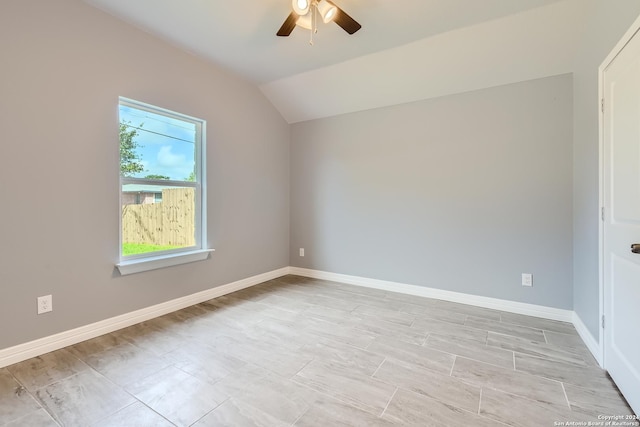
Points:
[(153, 263)]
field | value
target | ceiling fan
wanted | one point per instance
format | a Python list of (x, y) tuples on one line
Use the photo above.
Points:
[(305, 14)]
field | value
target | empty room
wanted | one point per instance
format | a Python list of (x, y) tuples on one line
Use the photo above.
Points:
[(320, 213)]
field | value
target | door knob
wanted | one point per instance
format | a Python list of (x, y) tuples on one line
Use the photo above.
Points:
[(635, 248)]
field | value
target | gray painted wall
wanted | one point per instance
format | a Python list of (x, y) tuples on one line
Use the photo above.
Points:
[(462, 193), (64, 64), (414, 193), (609, 20)]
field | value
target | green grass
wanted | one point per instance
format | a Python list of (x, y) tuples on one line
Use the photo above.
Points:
[(143, 248)]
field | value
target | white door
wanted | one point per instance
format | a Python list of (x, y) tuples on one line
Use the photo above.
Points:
[(621, 127)]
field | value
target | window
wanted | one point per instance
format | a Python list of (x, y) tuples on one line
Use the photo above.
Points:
[(161, 187)]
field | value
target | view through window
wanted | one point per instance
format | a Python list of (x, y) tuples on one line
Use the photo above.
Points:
[(161, 172)]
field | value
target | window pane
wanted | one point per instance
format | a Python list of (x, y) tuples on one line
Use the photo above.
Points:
[(156, 146), (157, 218)]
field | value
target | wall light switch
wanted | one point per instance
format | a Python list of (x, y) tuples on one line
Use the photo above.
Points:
[(301, 251)]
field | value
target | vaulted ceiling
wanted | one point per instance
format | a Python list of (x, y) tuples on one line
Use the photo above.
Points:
[(407, 50)]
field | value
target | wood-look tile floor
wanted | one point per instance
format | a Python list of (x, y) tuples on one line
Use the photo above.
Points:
[(301, 352)]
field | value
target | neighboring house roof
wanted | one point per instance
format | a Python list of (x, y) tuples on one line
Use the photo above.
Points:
[(140, 188)]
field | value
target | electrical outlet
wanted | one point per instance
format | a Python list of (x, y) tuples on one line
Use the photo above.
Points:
[(45, 304), (527, 279), (301, 251)]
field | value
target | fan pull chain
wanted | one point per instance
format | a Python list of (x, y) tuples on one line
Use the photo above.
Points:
[(315, 18), (314, 28)]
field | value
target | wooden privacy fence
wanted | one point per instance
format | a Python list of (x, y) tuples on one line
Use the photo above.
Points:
[(170, 222)]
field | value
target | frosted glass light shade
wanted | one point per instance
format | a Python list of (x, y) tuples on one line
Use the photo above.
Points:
[(327, 10), (305, 21), (301, 7)]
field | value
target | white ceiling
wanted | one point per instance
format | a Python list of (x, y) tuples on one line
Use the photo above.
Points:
[(406, 50)]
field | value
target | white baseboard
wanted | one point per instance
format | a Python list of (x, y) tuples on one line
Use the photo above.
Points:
[(421, 291), (18, 353), (479, 301), (592, 344)]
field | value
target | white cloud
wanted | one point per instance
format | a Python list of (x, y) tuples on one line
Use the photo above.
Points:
[(167, 159)]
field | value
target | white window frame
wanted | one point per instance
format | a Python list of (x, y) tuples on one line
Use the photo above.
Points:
[(131, 264)]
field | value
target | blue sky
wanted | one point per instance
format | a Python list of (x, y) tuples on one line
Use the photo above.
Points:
[(166, 146)]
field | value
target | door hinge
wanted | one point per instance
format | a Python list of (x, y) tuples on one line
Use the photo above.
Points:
[(603, 321), (602, 213), (602, 104)]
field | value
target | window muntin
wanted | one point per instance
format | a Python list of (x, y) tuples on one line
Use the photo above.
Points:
[(161, 176)]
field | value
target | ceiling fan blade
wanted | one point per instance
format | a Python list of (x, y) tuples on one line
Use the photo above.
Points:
[(288, 25), (347, 23)]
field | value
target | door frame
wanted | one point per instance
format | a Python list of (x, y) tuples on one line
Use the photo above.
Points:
[(628, 35)]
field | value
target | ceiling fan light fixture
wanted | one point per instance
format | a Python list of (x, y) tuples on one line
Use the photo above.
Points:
[(305, 14), (327, 10), (301, 7)]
